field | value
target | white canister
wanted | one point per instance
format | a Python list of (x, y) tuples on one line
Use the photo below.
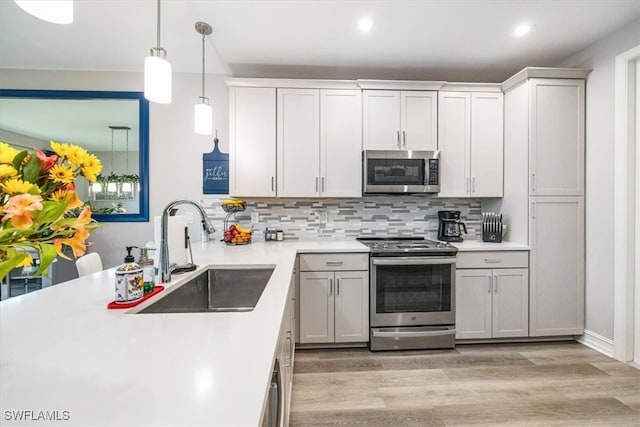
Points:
[(129, 283)]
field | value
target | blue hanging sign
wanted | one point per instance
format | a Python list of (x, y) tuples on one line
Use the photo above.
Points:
[(215, 171)]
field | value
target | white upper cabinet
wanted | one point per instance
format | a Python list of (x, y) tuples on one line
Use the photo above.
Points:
[(471, 144), (486, 144), (454, 141), (340, 143), (319, 143), (252, 148), (298, 143), (400, 120), (556, 158), (381, 119)]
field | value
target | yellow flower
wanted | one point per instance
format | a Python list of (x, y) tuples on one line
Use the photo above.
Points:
[(7, 153), (26, 262), (18, 186), (61, 173), (60, 149), (7, 171), (18, 209), (76, 155), (71, 197), (91, 167)]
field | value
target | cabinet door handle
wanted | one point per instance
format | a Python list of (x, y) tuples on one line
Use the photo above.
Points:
[(533, 210), (490, 284), (533, 182), (338, 287), (398, 138), (316, 184), (287, 360), (492, 260), (473, 184), (330, 286), (333, 262), (404, 139), (273, 183), (467, 187), (495, 284), (323, 184)]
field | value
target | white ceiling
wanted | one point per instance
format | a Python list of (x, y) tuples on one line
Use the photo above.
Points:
[(429, 40)]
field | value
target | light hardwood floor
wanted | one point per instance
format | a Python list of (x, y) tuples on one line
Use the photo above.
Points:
[(541, 384)]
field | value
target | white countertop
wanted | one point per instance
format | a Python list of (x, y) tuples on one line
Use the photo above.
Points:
[(62, 350), (479, 245)]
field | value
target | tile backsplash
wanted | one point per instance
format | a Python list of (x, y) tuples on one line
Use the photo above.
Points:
[(349, 218)]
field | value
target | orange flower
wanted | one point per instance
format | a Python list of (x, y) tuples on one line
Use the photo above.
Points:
[(83, 219), (18, 209), (46, 162), (77, 243)]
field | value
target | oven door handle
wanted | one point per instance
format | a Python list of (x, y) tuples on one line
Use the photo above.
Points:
[(413, 334), (418, 260)]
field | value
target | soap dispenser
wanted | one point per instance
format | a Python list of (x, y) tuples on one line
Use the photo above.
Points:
[(129, 280), (148, 272)]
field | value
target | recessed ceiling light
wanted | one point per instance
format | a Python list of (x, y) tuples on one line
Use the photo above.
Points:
[(365, 25), (522, 29)]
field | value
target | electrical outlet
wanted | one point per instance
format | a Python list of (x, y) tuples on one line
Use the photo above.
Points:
[(314, 216), (255, 217)]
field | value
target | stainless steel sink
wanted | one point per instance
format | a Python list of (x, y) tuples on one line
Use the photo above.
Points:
[(215, 290)]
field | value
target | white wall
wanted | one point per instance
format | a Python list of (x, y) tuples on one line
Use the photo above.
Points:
[(600, 173), (175, 152)]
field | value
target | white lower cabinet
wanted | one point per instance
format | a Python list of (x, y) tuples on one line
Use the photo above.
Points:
[(556, 233), (277, 408), (334, 298), (492, 302)]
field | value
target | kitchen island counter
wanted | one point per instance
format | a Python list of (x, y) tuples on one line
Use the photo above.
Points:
[(65, 359)]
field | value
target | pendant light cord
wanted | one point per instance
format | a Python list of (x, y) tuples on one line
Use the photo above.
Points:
[(158, 25), (112, 131), (127, 158), (203, 66)]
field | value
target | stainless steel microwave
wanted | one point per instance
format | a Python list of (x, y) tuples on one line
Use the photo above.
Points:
[(404, 172)]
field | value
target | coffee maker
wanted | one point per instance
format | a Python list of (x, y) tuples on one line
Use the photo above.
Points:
[(450, 227)]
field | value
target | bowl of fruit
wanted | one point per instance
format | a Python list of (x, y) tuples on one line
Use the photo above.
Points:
[(237, 235)]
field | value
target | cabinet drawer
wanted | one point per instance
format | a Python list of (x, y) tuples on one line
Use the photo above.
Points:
[(334, 262), (493, 259)]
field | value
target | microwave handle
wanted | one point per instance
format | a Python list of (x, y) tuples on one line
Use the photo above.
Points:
[(413, 260)]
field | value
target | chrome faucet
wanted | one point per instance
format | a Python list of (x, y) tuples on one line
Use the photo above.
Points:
[(165, 270)]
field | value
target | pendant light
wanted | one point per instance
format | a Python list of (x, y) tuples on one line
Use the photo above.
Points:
[(54, 11), (203, 113), (157, 72)]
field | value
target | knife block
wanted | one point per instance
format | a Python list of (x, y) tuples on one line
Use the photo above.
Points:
[(492, 236)]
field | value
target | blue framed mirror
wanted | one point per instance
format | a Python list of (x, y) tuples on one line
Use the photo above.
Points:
[(112, 125)]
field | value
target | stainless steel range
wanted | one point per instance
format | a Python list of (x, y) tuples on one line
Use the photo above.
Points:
[(412, 293)]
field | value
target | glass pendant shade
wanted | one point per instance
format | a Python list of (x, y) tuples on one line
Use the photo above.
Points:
[(112, 187), (126, 187), (203, 119), (157, 79), (54, 11)]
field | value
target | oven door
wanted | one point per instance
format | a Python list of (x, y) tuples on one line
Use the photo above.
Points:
[(408, 291)]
